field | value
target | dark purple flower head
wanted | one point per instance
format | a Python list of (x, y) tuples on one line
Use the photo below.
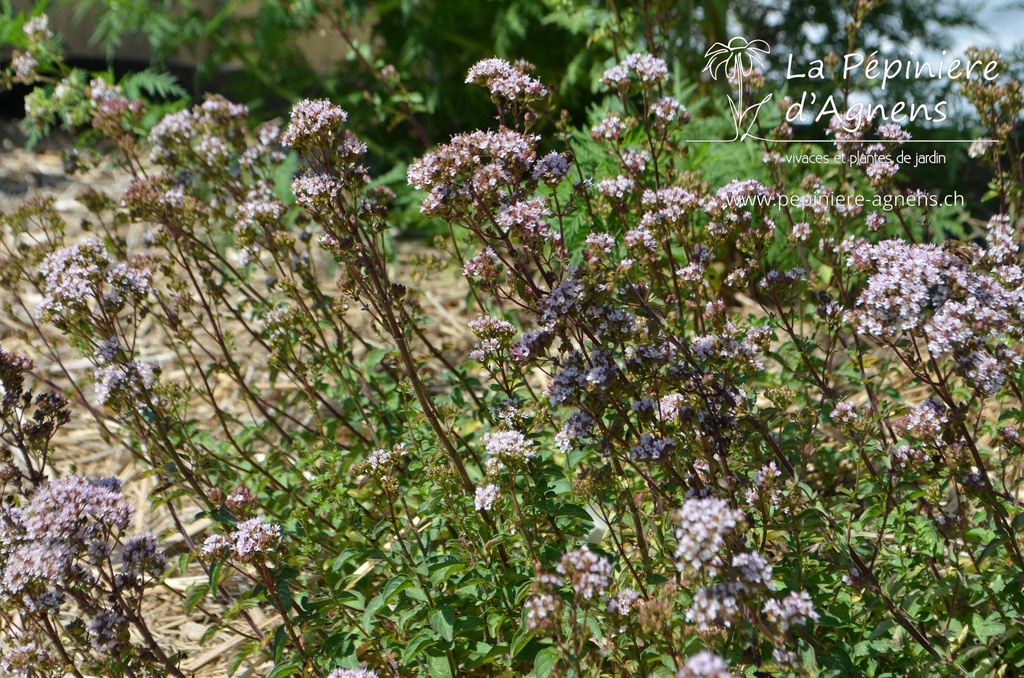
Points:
[(12, 377), (108, 629), (142, 555)]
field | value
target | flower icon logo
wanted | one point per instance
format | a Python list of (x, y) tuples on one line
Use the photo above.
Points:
[(736, 61)]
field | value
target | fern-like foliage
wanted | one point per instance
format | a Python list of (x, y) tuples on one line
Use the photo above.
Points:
[(152, 83)]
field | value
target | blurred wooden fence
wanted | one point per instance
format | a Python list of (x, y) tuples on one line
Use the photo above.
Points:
[(322, 49)]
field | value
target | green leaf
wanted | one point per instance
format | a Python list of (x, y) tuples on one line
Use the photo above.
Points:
[(245, 650), (440, 572), (339, 644), (223, 517), (215, 569), (988, 627), (545, 661), (494, 621), (183, 560), (469, 623), (443, 621), (416, 593), (374, 606), (574, 511), (837, 658), (484, 653), (284, 594), (344, 557), (289, 668), (991, 549), (421, 641), (280, 638), (353, 599), (521, 640), (438, 666), (576, 456), (394, 586), (194, 594)]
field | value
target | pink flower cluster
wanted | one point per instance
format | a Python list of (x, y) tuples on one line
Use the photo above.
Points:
[(731, 211), (67, 521), (542, 611), (206, 133), (850, 127), (618, 188), (611, 128), (485, 496), (475, 169), (77, 274), (484, 265), (705, 665), (315, 124), (794, 609), (250, 542), (506, 81), (959, 311), (587, 572), (123, 382), (315, 191), (667, 208), (703, 525), (647, 69), (526, 218), (383, 464), (709, 548), (495, 335), (72, 275), (507, 448)]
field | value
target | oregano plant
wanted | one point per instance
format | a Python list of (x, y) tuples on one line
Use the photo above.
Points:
[(666, 425)]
